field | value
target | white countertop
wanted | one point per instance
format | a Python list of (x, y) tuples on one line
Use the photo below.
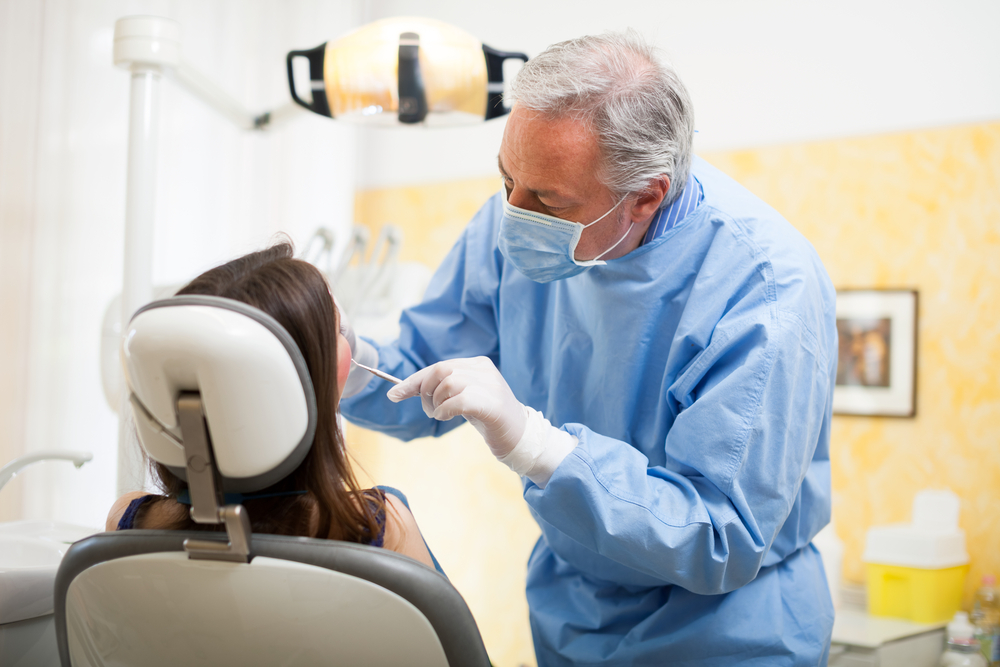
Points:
[(858, 628)]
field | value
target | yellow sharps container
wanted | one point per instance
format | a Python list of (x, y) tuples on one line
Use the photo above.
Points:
[(917, 570)]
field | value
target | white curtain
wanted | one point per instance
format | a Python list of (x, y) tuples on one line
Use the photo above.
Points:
[(220, 192)]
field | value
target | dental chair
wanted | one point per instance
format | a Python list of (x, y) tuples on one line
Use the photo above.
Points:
[(221, 395)]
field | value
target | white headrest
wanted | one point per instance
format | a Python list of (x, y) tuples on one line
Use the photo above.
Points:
[(255, 388)]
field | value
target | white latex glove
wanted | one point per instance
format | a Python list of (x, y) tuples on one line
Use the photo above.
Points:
[(474, 389), (361, 351), (519, 436)]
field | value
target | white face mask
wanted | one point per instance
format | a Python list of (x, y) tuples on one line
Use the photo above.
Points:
[(543, 247)]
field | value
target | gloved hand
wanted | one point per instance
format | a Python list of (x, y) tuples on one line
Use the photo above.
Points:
[(474, 389), (361, 351)]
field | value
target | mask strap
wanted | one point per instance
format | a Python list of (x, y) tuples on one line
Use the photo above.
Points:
[(616, 243), (606, 215), (619, 240)]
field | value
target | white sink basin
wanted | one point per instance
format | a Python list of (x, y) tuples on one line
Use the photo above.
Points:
[(52, 531), (30, 553), (26, 552)]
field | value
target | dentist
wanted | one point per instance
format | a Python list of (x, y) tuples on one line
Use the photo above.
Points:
[(653, 350)]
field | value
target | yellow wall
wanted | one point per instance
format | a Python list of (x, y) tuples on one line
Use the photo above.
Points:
[(918, 210)]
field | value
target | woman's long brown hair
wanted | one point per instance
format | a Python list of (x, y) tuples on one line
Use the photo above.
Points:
[(296, 294)]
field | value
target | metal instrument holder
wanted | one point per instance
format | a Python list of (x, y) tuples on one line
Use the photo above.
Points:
[(206, 494), (321, 258)]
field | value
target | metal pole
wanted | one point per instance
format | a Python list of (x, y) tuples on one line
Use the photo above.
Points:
[(137, 284), (149, 47)]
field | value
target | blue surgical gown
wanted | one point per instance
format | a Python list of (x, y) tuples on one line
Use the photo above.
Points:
[(697, 372)]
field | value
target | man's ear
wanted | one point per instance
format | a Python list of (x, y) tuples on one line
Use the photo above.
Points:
[(649, 199)]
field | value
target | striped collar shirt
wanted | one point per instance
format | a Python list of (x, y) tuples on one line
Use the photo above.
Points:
[(670, 215)]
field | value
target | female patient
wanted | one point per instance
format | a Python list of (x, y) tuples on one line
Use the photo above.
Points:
[(321, 497)]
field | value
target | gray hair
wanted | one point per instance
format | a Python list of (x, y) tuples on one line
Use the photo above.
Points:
[(635, 103)]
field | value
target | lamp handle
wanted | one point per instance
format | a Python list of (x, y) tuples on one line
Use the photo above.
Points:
[(319, 104), (494, 75)]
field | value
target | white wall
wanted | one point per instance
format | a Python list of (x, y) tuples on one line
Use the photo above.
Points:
[(220, 192), (760, 72)]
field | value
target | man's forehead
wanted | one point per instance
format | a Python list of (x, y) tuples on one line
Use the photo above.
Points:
[(548, 154), (538, 186)]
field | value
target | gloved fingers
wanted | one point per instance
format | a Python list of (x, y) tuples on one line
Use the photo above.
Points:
[(453, 398), (470, 392), (422, 383), (427, 403), (472, 388), (408, 388), (453, 391), (500, 423), (447, 380)]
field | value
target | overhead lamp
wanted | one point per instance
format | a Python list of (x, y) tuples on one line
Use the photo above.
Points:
[(404, 71)]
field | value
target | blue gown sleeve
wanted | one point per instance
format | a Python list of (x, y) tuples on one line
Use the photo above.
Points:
[(456, 319), (744, 484)]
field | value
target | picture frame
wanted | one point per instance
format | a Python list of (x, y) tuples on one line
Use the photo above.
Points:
[(877, 363)]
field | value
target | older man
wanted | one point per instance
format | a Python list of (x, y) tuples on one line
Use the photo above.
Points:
[(656, 353)]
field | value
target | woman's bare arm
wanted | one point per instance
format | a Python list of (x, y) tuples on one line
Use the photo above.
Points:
[(402, 534)]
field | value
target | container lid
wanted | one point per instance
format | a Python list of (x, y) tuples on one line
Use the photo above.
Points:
[(935, 509), (905, 545), (932, 541)]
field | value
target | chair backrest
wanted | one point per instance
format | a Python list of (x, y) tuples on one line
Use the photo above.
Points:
[(135, 598), (221, 395)]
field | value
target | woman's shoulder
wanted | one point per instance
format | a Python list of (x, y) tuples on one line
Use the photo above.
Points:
[(395, 493), (158, 511), (397, 516), (120, 507), (402, 534)]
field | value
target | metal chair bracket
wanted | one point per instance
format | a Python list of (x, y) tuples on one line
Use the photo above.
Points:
[(237, 549), (206, 497)]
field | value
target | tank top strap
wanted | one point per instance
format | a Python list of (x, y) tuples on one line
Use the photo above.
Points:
[(127, 521)]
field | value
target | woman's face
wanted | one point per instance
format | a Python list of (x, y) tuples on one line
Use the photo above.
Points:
[(343, 361)]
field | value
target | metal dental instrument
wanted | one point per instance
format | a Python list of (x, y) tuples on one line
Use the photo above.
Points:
[(375, 371)]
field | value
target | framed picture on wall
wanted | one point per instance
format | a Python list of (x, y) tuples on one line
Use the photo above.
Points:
[(877, 363)]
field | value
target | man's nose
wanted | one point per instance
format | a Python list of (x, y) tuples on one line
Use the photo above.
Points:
[(522, 198)]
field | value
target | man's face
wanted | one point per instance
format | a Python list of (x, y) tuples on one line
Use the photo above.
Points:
[(549, 165)]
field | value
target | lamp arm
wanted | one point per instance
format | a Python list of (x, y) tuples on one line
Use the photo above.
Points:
[(199, 85)]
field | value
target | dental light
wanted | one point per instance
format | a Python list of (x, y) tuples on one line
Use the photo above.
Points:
[(408, 71), (405, 71)]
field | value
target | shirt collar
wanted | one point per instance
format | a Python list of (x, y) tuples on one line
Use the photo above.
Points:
[(668, 216)]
